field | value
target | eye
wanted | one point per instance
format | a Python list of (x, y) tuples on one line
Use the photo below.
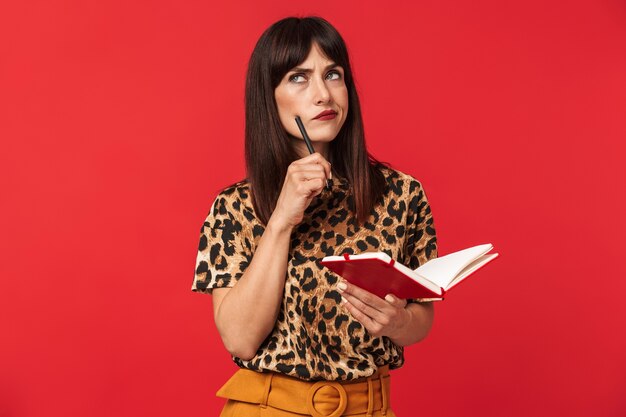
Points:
[(333, 75), (297, 78)]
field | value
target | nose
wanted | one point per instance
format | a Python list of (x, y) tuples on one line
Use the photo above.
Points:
[(321, 94)]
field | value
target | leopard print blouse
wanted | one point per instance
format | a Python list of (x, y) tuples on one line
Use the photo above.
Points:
[(314, 337)]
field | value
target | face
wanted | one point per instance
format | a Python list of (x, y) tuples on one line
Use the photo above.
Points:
[(314, 86)]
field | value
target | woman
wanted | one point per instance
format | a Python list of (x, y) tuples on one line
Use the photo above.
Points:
[(309, 343)]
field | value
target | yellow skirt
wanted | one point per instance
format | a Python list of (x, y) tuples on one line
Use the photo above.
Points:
[(270, 394)]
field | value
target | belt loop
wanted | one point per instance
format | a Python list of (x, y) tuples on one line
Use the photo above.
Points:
[(383, 393), (370, 397), (266, 390)]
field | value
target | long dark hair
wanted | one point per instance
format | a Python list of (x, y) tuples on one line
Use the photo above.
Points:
[(268, 149)]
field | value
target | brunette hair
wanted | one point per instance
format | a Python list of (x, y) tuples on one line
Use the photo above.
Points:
[(268, 149)]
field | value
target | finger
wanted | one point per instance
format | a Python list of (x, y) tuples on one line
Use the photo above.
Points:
[(395, 301), (365, 296), (315, 158), (311, 186), (360, 316), (374, 314), (311, 171), (306, 176)]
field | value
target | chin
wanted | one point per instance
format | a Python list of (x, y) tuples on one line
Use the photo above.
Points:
[(325, 135), (324, 138)]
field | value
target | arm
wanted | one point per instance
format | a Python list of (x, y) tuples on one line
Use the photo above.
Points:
[(246, 313)]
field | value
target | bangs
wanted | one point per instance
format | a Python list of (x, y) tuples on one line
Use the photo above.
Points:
[(293, 41)]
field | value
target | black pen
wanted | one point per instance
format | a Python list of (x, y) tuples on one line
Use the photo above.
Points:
[(307, 140)]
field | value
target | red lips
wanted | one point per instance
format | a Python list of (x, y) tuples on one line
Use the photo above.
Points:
[(326, 113)]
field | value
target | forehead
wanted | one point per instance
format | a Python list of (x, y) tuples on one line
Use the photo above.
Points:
[(316, 56)]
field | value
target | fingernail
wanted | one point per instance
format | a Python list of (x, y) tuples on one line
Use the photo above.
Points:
[(341, 286), (389, 298), (343, 300)]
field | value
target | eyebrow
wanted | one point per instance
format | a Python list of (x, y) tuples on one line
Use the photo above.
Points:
[(309, 70)]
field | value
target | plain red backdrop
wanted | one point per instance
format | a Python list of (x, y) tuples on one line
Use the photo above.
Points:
[(120, 121)]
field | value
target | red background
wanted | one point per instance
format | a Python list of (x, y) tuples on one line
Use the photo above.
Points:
[(120, 121)]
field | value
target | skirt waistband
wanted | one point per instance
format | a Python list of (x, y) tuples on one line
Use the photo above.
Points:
[(315, 398)]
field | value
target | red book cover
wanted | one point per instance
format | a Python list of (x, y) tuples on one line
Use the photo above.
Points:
[(382, 277)]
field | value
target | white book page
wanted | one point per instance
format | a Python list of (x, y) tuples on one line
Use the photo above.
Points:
[(418, 278), (467, 271), (367, 255), (443, 270)]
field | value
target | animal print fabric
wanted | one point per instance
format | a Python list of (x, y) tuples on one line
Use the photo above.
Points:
[(314, 337)]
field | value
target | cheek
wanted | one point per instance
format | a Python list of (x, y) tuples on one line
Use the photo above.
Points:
[(341, 97), (286, 113), (280, 106), (286, 104), (344, 101), (286, 109)]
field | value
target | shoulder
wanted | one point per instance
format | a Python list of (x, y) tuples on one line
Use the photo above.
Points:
[(400, 182), (231, 198), (239, 189)]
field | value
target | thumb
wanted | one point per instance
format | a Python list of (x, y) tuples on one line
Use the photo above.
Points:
[(395, 301)]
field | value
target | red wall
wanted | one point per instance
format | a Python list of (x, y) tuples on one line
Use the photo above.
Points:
[(120, 121)]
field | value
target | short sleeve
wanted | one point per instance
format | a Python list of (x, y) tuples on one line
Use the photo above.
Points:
[(223, 252), (421, 242)]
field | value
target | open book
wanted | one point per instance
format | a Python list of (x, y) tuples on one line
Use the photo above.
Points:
[(377, 273)]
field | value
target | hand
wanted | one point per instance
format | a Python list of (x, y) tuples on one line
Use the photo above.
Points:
[(381, 317), (305, 179)]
